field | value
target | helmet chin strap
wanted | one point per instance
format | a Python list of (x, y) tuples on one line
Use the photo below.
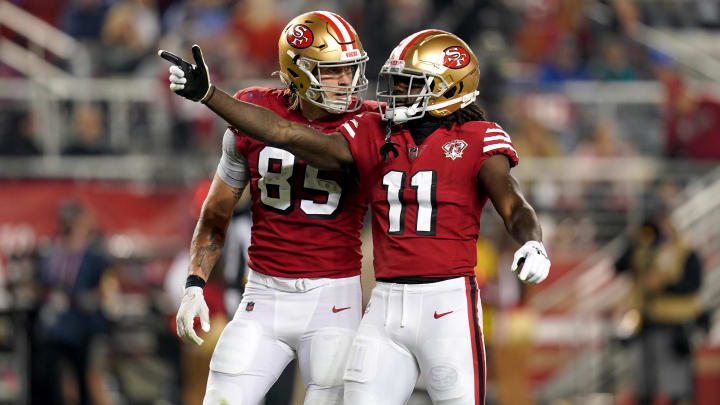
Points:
[(465, 100), (399, 115)]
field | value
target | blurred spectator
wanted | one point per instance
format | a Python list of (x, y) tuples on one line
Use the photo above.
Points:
[(626, 13), (257, 24), (20, 141), (614, 65), (198, 20), (83, 19), (692, 123), (208, 23), (547, 24), (666, 274), (604, 142), (88, 131), (565, 63), (534, 139), (382, 23), (130, 33), (49, 11), (70, 315)]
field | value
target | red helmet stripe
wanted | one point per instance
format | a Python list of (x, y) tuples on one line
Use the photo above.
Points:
[(349, 30), (338, 31), (414, 39)]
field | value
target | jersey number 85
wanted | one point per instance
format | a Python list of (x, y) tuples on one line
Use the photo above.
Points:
[(276, 168)]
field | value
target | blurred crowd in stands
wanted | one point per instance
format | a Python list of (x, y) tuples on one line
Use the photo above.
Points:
[(529, 50)]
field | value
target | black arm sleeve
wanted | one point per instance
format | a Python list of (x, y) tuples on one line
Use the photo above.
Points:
[(623, 263), (691, 279)]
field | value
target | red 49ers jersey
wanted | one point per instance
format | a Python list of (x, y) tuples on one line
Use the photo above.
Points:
[(305, 222), (426, 203)]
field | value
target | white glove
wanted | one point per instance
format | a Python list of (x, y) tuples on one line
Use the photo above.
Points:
[(192, 305), (534, 261), (177, 78)]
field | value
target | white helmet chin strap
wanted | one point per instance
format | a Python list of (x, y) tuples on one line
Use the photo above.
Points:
[(465, 100), (403, 114)]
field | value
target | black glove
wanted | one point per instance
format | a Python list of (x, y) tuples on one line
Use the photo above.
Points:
[(188, 80)]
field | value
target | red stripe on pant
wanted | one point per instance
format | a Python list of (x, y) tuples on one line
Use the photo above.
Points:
[(478, 350)]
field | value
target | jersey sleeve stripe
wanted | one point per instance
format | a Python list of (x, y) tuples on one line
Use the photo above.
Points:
[(498, 138), (498, 146), (349, 130), (354, 123), (497, 131)]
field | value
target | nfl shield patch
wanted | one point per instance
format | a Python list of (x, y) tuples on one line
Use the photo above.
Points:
[(250, 306), (412, 152), (454, 149)]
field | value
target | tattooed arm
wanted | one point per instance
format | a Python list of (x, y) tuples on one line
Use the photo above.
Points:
[(324, 151), (209, 237), (206, 246)]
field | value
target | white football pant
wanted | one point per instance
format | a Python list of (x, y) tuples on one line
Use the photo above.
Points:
[(278, 318), (433, 330)]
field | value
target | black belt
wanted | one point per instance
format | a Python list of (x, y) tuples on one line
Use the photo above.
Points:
[(416, 280)]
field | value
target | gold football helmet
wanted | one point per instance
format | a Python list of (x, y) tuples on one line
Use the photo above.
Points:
[(317, 41), (431, 70)]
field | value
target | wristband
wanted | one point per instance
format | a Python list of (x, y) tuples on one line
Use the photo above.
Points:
[(194, 281), (208, 96)]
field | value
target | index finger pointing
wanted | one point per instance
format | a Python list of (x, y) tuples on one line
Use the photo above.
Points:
[(170, 57)]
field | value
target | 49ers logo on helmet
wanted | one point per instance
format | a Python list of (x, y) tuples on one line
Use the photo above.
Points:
[(455, 57), (299, 36)]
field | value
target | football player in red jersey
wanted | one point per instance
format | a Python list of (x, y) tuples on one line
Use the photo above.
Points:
[(303, 294), (428, 161)]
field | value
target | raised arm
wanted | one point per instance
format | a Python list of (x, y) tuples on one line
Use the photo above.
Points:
[(519, 217), (325, 151)]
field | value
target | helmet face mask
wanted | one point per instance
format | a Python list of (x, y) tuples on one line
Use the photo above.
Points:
[(325, 90), (314, 48), (431, 71), (406, 92)]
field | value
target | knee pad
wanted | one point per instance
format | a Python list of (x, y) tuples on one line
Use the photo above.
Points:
[(358, 397), (215, 397), (219, 394), (315, 395), (329, 351), (237, 347)]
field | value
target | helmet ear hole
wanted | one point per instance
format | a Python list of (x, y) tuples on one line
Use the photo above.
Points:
[(450, 92)]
